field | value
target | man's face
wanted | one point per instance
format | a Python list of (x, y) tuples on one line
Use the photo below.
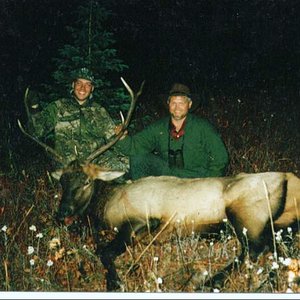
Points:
[(82, 89), (179, 107)]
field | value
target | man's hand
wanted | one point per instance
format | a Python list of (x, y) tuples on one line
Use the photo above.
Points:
[(118, 128)]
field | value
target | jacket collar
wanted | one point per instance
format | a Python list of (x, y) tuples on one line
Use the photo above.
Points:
[(87, 103)]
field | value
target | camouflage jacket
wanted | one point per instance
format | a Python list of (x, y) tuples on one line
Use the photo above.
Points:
[(78, 131)]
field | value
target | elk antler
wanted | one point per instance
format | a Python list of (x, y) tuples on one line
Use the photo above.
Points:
[(125, 123), (57, 157)]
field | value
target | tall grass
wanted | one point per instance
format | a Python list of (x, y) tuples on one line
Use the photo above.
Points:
[(37, 254)]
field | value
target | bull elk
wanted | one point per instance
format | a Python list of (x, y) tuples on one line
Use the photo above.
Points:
[(259, 202)]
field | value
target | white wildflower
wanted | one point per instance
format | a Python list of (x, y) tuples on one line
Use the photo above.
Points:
[(216, 290), (211, 244), (155, 258), (259, 271), (32, 228), (30, 250), (55, 196), (225, 220), (245, 231), (275, 265), (289, 229), (287, 261), (4, 228), (291, 276), (39, 235), (205, 273), (278, 236), (31, 262), (159, 280), (116, 229), (49, 263)]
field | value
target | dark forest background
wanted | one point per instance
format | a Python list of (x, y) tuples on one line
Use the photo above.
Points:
[(231, 49)]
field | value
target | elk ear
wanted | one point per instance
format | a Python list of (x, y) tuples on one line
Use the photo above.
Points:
[(109, 175), (96, 172)]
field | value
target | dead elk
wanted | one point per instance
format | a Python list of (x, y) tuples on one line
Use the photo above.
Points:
[(249, 201)]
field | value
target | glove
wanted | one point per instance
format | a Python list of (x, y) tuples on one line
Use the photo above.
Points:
[(117, 130)]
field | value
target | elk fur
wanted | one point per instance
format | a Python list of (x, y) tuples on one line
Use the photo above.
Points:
[(250, 201)]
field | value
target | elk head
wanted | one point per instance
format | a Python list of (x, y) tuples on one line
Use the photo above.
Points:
[(78, 178), (78, 186)]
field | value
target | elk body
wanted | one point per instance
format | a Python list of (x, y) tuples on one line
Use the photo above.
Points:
[(248, 201), (259, 202)]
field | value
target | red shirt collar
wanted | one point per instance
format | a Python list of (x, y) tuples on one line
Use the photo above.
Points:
[(177, 134)]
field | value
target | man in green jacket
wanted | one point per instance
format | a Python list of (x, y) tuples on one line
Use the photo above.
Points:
[(79, 124), (181, 145)]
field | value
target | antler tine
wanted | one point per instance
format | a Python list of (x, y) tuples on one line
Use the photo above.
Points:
[(57, 157), (134, 98), (125, 124), (122, 118)]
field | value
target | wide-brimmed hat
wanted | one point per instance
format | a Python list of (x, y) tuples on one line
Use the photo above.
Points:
[(180, 89)]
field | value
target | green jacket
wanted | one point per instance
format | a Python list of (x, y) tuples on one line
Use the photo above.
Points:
[(204, 152), (78, 130)]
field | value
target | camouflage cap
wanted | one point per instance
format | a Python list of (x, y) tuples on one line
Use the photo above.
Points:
[(83, 73)]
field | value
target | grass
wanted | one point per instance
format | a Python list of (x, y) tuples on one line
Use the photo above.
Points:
[(39, 255)]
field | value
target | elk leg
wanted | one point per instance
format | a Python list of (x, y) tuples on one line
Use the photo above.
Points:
[(110, 251), (253, 246), (107, 256), (217, 281)]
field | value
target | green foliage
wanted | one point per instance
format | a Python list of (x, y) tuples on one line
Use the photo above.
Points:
[(90, 45)]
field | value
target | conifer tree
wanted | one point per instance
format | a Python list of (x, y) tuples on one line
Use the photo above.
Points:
[(91, 45)]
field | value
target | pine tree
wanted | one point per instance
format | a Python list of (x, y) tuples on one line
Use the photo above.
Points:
[(91, 46)]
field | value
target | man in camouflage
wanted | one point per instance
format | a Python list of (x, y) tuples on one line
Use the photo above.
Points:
[(80, 125)]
